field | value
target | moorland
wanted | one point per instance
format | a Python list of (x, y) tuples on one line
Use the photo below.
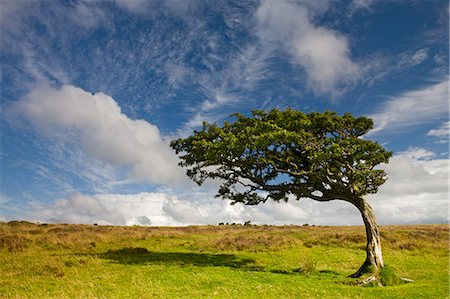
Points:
[(226, 261)]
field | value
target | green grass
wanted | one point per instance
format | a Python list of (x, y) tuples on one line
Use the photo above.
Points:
[(82, 261)]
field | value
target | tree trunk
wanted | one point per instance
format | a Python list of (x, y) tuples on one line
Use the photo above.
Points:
[(374, 258)]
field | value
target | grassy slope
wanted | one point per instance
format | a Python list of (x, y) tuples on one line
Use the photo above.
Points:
[(81, 261)]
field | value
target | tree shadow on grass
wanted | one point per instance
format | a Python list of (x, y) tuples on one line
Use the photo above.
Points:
[(141, 256)]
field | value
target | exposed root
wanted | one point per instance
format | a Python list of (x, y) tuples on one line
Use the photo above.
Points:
[(369, 280), (406, 280), (365, 268)]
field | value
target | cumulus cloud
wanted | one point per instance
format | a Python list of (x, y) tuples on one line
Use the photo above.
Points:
[(139, 209), (160, 209), (410, 174), (413, 107), (324, 54), (208, 210), (77, 208), (416, 192), (104, 132), (106, 209), (183, 212)]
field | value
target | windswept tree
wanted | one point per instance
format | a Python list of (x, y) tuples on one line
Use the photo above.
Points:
[(286, 154)]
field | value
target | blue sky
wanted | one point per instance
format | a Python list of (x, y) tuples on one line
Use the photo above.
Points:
[(93, 91)]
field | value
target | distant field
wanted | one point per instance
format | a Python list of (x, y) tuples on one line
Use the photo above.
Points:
[(85, 261)]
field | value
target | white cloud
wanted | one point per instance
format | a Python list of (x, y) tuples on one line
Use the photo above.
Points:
[(107, 209), (177, 7), (413, 108), (104, 132), (419, 56), (139, 209), (409, 175), (407, 59), (223, 87), (180, 7), (205, 209), (160, 209), (176, 73), (135, 6), (325, 56), (416, 192), (323, 53), (440, 59), (442, 132), (10, 14), (87, 16), (77, 208), (417, 153), (183, 212), (379, 66), (362, 4)]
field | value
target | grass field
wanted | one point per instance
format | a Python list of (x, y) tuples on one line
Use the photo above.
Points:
[(85, 261)]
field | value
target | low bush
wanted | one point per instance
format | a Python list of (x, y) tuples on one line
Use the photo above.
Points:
[(388, 277)]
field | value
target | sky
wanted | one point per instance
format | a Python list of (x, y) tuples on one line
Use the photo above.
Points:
[(92, 92)]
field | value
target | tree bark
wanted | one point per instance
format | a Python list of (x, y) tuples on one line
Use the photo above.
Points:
[(374, 257)]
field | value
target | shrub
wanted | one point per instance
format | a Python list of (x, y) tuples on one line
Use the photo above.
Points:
[(388, 276)]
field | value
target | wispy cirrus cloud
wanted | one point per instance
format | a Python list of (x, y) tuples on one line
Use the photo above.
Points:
[(87, 15), (415, 107), (377, 67), (135, 6), (275, 29), (441, 135), (362, 4), (442, 132)]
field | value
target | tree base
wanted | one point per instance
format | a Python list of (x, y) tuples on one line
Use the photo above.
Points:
[(371, 280), (366, 268), (381, 276)]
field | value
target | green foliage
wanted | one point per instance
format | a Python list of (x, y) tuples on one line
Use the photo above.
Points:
[(280, 153), (388, 277)]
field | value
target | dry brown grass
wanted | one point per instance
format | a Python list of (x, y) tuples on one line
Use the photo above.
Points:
[(18, 236), (251, 243), (416, 237)]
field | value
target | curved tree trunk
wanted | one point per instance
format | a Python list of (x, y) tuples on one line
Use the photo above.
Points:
[(374, 258)]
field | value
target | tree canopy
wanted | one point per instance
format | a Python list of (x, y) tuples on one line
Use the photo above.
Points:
[(281, 154)]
